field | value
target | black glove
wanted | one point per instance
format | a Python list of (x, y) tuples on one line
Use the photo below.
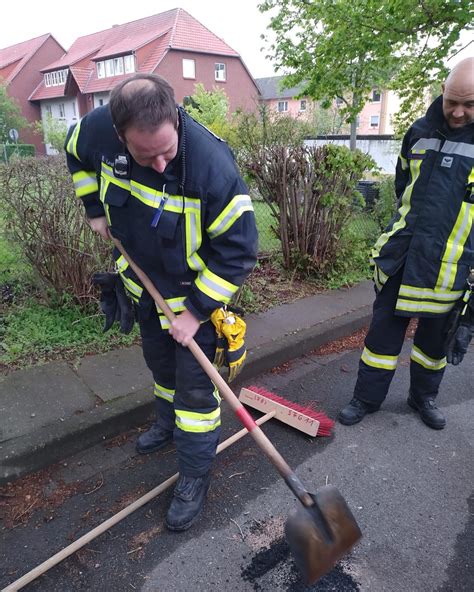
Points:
[(458, 345), (114, 302)]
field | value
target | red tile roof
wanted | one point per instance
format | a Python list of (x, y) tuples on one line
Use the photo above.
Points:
[(13, 58), (173, 29)]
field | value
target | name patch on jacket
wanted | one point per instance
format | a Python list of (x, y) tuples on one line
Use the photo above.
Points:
[(447, 162)]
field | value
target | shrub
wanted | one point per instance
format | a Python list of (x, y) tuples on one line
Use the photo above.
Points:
[(386, 203), (311, 192), (45, 219)]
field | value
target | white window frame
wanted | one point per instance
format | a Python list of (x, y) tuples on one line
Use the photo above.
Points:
[(220, 72), (109, 68), (55, 78), (374, 121), (129, 63), (100, 69), (303, 105), (282, 106), (118, 66), (62, 111), (49, 109), (189, 68), (379, 93)]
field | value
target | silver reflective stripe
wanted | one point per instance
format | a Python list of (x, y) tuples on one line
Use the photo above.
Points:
[(426, 144), (460, 148), (215, 287)]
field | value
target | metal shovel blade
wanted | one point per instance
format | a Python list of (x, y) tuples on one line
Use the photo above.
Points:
[(321, 534)]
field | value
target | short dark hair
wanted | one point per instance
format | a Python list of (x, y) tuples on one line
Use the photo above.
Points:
[(145, 101)]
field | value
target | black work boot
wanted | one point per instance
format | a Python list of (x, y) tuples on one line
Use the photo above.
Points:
[(153, 439), (188, 500), (157, 436), (355, 411), (429, 412)]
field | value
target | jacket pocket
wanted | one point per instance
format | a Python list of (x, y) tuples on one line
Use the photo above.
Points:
[(171, 241), (116, 196)]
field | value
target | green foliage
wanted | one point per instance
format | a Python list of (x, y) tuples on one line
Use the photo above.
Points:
[(211, 109), (10, 115), (54, 132), (33, 332), (309, 190), (9, 151), (346, 48), (386, 203)]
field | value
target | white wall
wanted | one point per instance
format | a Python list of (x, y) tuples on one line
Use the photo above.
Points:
[(384, 152), (62, 109), (98, 97)]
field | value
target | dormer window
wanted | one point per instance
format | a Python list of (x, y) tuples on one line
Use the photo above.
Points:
[(55, 78), (116, 66)]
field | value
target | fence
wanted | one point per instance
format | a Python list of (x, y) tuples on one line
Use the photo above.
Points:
[(8, 150)]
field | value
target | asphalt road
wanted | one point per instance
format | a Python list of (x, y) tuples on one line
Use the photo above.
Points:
[(409, 487)]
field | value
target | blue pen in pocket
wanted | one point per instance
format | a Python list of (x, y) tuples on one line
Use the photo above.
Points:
[(157, 216)]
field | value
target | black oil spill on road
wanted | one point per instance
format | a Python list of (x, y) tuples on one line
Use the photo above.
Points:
[(277, 558)]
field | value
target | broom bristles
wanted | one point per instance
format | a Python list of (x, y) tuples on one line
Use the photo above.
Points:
[(326, 424)]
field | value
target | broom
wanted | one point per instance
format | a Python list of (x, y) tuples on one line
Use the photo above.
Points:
[(306, 419)]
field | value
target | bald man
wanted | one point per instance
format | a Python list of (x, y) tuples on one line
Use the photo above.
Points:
[(422, 261)]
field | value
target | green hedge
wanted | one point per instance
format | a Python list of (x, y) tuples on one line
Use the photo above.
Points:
[(8, 150)]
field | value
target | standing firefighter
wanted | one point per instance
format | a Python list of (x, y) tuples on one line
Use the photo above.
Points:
[(423, 259), (169, 190)]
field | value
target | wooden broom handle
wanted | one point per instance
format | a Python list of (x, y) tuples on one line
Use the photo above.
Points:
[(244, 416), (116, 518)]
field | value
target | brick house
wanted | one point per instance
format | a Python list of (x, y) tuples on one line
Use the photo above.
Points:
[(173, 44), (20, 70), (374, 119), (282, 100)]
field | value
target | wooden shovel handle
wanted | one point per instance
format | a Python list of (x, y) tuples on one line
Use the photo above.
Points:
[(244, 416)]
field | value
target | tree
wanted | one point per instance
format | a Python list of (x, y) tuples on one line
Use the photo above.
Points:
[(345, 48), (54, 132), (210, 108), (10, 115)]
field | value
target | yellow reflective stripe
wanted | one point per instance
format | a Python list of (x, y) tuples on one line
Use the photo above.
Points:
[(232, 212), (215, 287), (85, 182), (134, 289), (176, 305), (379, 360), (71, 146), (164, 393), (191, 421), (415, 166), (429, 294), (379, 277), (403, 162), (108, 173), (193, 234), (419, 306), (455, 246), (429, 363)]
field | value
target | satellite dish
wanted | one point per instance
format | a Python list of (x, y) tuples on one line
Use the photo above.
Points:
[(13, 133)]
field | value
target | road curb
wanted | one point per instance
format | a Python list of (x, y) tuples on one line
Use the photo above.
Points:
[(56, 442)]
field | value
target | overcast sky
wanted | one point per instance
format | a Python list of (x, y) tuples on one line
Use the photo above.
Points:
[(238, 22)]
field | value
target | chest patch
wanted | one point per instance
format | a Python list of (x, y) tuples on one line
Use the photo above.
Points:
[(447, 162)]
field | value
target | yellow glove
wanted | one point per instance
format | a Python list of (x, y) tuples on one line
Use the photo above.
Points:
[(217, 318), (233, 328)]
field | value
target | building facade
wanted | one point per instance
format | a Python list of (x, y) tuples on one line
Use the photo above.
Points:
[(20, 71), (172, 44)]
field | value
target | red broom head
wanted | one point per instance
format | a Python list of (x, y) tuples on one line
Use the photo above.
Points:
[(326, 424)]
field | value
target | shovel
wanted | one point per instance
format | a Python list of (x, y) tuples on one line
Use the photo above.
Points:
[(323, 528)]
